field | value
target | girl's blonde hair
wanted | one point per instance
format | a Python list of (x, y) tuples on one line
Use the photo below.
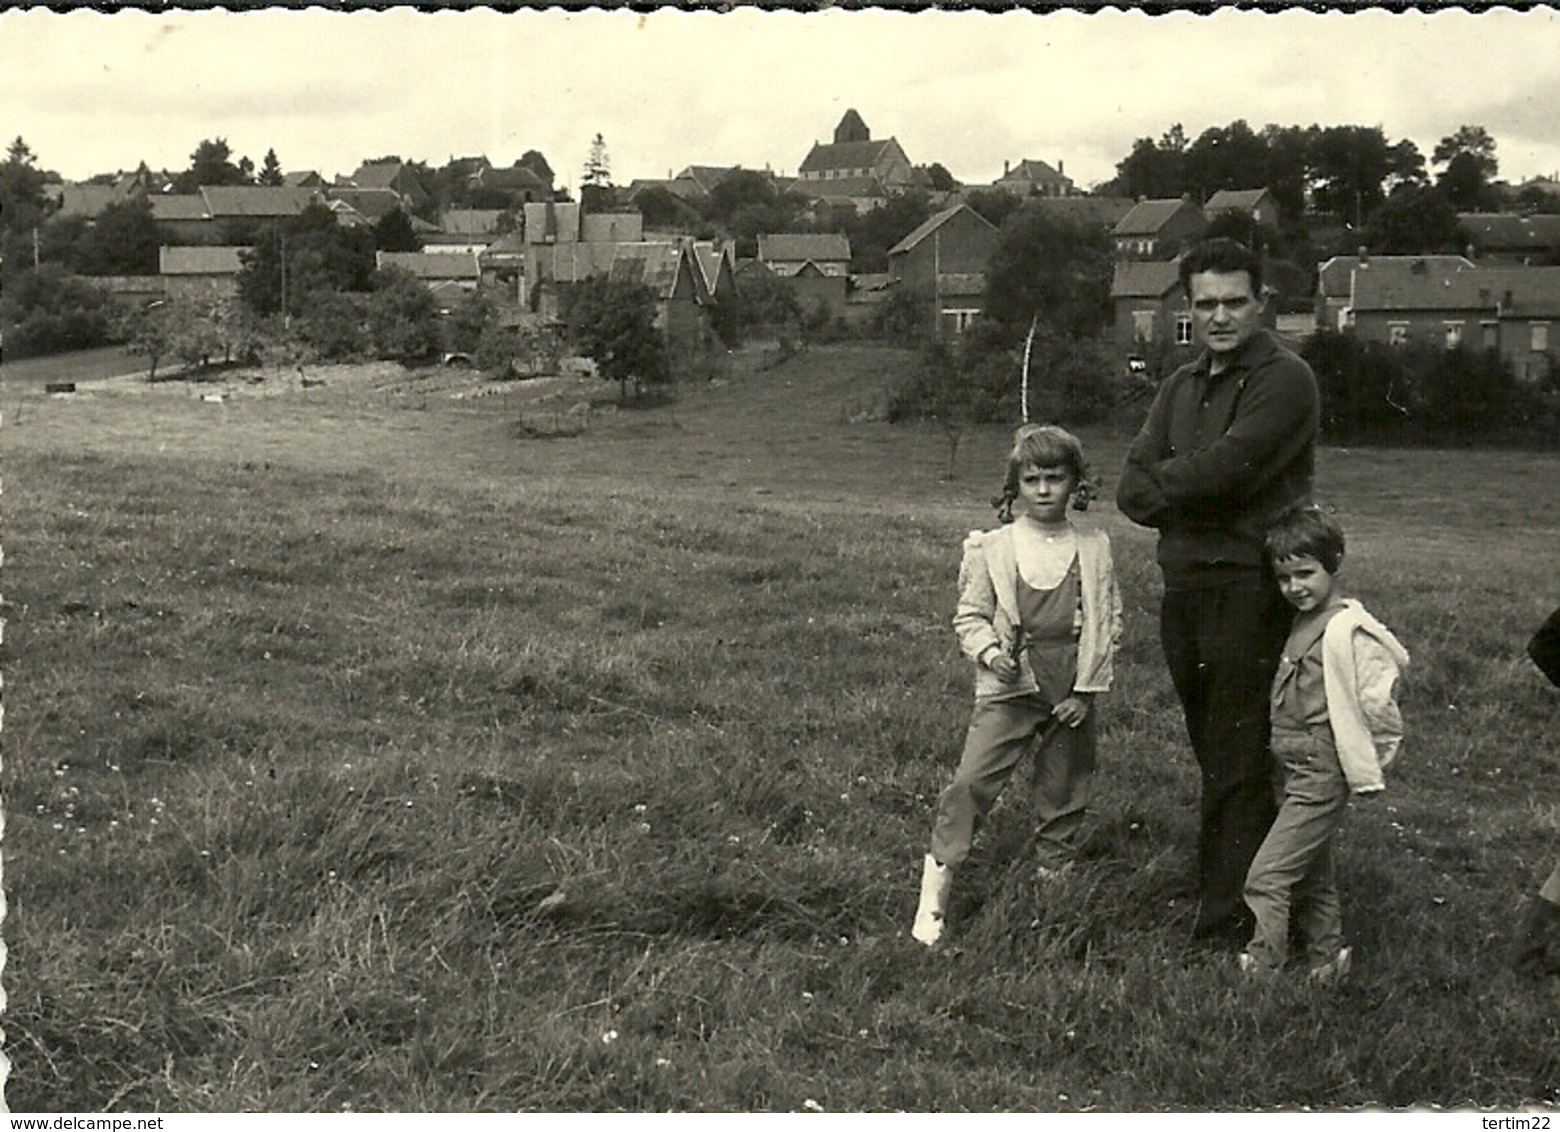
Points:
[(1045, 446)]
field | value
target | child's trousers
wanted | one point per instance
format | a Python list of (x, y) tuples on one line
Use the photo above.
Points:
[(1001, 732), (1292, 873)]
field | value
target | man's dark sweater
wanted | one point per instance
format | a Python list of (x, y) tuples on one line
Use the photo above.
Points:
[(1219, 458)]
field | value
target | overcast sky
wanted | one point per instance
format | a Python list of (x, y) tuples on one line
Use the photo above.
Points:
[(97, 93)]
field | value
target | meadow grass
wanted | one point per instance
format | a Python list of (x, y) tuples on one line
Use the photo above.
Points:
[(362, 754)]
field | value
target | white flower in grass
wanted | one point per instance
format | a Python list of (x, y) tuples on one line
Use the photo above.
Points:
[(640, 808), (809, 1104), (609, 1037)]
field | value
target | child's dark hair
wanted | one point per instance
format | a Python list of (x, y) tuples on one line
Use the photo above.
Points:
[(1306, 529), (1045, 446)]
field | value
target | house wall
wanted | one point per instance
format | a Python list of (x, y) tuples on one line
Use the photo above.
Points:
[(1420, 326), (1530, 355), (811, 290), (1162, 313), (208, 287), (962, 245)]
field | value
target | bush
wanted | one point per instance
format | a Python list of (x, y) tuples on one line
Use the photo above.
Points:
[(402, 318), (333, 326), (1373, 393), (48, 312)]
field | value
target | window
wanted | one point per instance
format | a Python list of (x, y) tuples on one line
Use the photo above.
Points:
[(1183, 330), (1143, 325), (1539, 337), (1397, 333), (961, 318), (1491, 334), (1453, 334)]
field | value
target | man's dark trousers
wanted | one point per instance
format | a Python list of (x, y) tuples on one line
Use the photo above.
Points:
[(1222, 642)]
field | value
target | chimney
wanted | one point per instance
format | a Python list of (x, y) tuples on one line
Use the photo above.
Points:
[(1004, 167), (1364, 254), (1061, 168)]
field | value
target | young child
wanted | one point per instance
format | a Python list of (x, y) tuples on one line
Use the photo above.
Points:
[(1040, 615), (1336, 725), (1538, 949)]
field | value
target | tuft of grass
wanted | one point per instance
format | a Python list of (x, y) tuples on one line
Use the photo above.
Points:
[(367, 759)]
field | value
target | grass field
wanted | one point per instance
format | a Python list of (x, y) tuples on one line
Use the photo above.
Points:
[(362, 754)]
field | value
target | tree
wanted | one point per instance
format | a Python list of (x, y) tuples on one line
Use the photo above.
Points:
[(1351, 167), (301, 255), (402, 317), (1227, 157), (1474, 142), (941, 180), (1154, 170), (944, 390), (996, 205), (1413, 221), (22, 201), (152, 334), (881, 228), (48, 311), (394, 233), (271, 170), (613, 321), (210, 164), (1049, 271), (534, 161), (598, 169), (123, 241), (664, 211)]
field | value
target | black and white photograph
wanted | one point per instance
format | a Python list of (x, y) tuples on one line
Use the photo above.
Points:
[(842, 560)]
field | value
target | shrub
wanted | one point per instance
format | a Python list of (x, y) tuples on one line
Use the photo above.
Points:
[(333, 326), (48, 312)]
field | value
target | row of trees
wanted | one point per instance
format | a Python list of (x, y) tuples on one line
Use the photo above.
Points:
[(1344, 171)]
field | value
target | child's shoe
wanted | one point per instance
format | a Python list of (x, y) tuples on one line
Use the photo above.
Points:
[(1334, 971), (930, 914)]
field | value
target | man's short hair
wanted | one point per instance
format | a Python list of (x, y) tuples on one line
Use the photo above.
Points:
[(1224, 256)]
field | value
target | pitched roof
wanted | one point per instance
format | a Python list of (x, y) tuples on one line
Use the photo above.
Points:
[(1534, 291), (1404, 287), (551, 222), (571, 261), (708, 257), (657, 266), (1509, 230), (374, 204), (820, 246), (1230, 200), (934, 222), (431, 265), (1333, 277), (824, 157), (200, 261), (509, 245), (515, 179), (1149, 216), (256, 200), (612, 227), (1103, 212), (1031, 169), (1151, 280), (302, 179), (706, 177), (377, 174), (88, 200), (840, 188), (179, 206), (470, 221)]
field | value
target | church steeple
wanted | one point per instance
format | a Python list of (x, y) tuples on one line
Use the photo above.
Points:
[(851, 129)]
